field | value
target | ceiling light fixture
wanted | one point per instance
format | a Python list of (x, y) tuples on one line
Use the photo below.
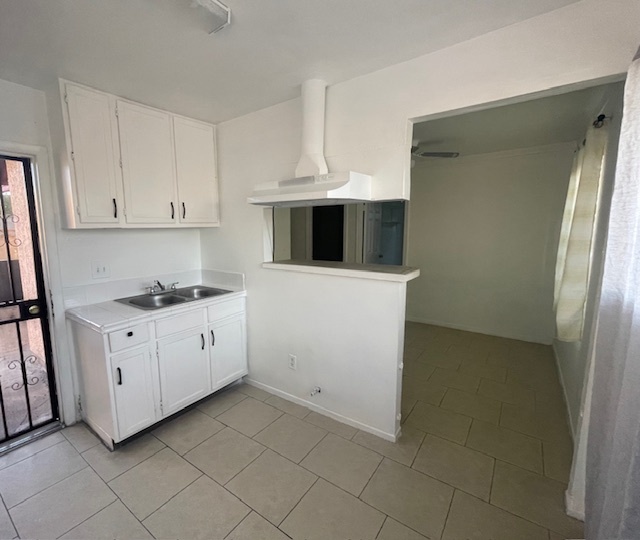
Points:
[(221, 13)]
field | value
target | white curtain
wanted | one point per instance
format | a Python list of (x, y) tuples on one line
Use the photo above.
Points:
[(576, 238), (613, 449)]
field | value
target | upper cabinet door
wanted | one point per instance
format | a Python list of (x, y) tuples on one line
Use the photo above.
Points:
[(196, 171), (148, 166), (92, 135)]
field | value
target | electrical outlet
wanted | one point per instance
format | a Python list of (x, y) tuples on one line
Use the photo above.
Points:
[(293, 362), (100, 270)]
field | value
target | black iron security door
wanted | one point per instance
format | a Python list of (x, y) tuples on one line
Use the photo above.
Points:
[(27, 388)]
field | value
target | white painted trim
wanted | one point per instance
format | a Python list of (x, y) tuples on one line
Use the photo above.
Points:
[(575, 507), (46, 197), (326, 412), (564, 392), (520, 337)]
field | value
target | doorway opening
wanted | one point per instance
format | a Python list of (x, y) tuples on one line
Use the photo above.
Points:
[(27, 386), (489, 197)]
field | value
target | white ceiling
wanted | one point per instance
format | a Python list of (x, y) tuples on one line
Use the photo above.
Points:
[(159, 51), (550, 120)]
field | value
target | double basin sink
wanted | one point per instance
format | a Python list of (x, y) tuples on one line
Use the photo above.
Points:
[(171, 297)]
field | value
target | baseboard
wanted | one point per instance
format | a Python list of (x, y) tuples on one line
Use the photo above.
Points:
[(574, 507), (519, 337), (321, 410)]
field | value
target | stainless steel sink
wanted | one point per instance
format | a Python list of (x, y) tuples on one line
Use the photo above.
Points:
[(200, 291), (157, 301), (171, 297)]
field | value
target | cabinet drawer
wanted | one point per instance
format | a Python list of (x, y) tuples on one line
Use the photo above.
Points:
[(225, 309), (173, 325), (123, 339)]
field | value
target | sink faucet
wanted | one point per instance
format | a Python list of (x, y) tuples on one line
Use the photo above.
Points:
[(158, 287)]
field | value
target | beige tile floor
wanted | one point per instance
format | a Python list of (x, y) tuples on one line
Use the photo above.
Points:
[(485, 454)]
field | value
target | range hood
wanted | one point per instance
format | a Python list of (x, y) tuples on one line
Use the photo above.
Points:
[(318, 190), (313, 184)]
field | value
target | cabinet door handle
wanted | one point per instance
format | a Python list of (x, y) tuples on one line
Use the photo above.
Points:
[(213, 339), (119, 375), (184, 211), (173, 211), (115, 208), (202, 337)]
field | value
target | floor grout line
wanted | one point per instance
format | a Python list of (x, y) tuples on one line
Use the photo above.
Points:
[(245, 467), (15, 528), (386, 517), (171, 498), (299, 501), (88, 518), (133, 466), (115, 494), (446, 518), (312, 449), (35, 453), (50, 486)]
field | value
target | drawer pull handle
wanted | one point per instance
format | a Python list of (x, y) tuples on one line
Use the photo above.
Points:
[(173, 212), (119, 376), (115, 208), (202, 337), (213, 339), (129, 334), (184, 211)]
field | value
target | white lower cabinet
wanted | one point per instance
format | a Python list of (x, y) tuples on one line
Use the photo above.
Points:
[(184, 370), (135, 376), (228, 350), (132, 377)]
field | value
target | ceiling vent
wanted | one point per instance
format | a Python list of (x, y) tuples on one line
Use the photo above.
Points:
[(221, 13)]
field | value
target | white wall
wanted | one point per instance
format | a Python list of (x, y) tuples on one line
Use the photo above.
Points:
[(484, 232), (347, 333), (367, 118)]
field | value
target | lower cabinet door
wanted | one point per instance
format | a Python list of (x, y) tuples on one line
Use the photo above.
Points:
[(183, 362), (133, 387), (228, 350)]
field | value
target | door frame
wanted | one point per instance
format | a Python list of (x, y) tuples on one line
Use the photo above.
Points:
[(46, 197)]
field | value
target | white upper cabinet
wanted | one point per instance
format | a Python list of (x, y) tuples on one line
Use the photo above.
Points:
[(196, 171), (93, 148), (135, 166), (148, 164)]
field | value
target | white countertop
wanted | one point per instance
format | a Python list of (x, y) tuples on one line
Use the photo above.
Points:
[(381, 272), (109, 316)]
